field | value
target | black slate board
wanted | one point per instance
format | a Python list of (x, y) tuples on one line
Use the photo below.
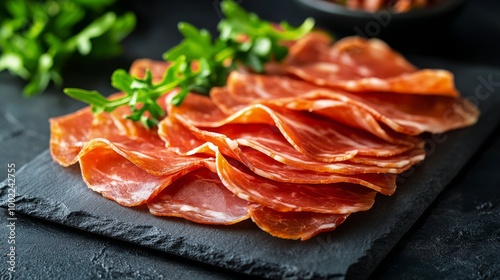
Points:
[(51, 192)]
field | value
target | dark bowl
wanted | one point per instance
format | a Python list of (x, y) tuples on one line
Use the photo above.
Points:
[(420, 26)]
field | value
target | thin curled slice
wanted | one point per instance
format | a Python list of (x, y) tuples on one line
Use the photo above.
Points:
[(129, 176), (294, 225), (200, 197), (340, 198), (268, 140), (403, 113), (358, 65), (156, 67), (263, 165), (69, 133), (312, 135), (334, 109)]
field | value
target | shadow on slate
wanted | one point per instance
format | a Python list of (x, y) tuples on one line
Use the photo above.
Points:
[(75, 254), (458, 237), (48, 191)]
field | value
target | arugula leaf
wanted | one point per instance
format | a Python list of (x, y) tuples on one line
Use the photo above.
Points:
[(37, 37), (200, 62)]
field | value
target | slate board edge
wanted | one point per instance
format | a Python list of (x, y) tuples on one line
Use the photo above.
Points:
[(153, 238), (382, 246)]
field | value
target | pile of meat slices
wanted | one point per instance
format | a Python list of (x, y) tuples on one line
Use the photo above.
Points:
[(296, 150)]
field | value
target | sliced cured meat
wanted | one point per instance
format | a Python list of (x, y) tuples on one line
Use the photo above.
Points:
[(265, 166), (200, 197), (68, 135), (340, 198), (335, 109), (416, 114), (269, 141), (312, 135), (132, 172), (357, 64), (294, 225), (408, 114), (156, 67), (180, 139)]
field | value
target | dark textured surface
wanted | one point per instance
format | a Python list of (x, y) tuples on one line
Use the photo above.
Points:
[(58, 194), (457, 238), (48, 252)]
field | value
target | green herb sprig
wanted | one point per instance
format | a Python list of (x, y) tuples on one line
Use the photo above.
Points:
[(37, 37), (199, 63)]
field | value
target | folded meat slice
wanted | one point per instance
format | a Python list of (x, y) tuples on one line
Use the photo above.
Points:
[(267, 167), (69, 133), (312, 135), (357, 64), (262, 164), (294, 225), (156, 67), (338, 110), (132, 172), (266, 139), (338, 198), (403, 113), (200, 197)]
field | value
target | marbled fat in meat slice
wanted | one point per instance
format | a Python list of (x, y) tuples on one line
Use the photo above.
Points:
[(294, 225), (200, 197), (339, 198)]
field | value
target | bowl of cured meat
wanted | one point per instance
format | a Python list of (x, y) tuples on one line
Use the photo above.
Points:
[(394, 21)]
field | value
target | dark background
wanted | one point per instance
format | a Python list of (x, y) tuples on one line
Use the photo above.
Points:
[(457, 238)]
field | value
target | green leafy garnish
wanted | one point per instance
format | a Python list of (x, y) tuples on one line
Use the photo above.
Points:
[(199, 63), (37, 37)]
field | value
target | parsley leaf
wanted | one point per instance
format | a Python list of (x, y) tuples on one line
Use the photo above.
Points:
[(37, 37), (200, 62)]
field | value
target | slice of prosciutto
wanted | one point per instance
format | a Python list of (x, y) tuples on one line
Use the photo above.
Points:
[(338, 110), (403, 113), (118, 158), (312, 135), (358, 65), (264, 165), (294, 225), (200, 197), (69, 133), (339, 198), (156, 67), (233, 141), (106, 171)]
